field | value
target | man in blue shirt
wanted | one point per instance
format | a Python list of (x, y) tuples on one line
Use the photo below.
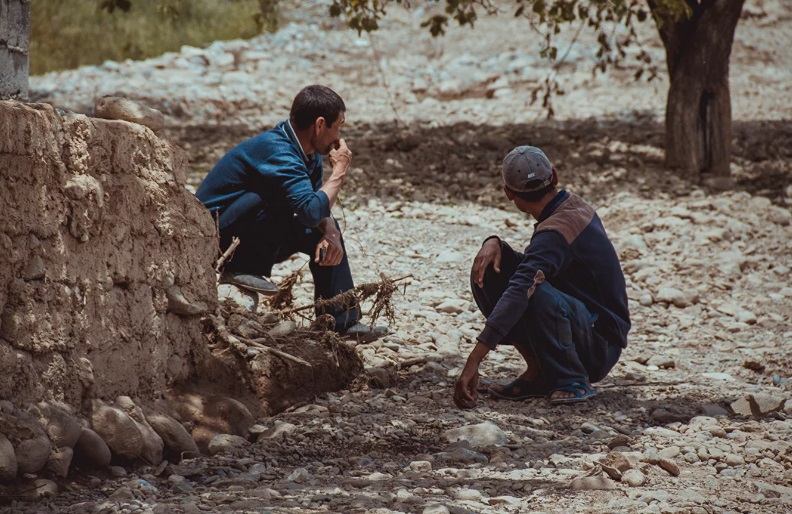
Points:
[(268, 192), (562, 302)]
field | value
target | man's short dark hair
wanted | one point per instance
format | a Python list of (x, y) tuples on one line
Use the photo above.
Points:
[(314, 102), (534, 196)]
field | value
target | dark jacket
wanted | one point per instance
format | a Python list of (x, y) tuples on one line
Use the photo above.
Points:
[(269, 172), (571, 251)]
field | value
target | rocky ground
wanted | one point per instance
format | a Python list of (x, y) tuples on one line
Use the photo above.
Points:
[(697, 415)]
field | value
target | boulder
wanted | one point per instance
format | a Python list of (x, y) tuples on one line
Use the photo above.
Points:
[(61, 425), (176, 438), (153, 444), (119, 431), (31, 445), (8, 462), (92, 449), (59, 461)]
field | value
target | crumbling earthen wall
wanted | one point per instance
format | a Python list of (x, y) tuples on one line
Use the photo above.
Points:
[(96, 232), (14, 43)]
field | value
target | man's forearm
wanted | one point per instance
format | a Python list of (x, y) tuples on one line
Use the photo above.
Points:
[(326, 224), (333, 185), (478, 353)]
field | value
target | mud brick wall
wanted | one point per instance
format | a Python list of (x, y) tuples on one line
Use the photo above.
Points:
[(14, 44), (95, 227)]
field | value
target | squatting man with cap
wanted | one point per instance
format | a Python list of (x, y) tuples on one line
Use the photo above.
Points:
[(268, 192), (562, 303)]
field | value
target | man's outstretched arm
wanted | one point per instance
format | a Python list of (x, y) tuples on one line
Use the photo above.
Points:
[(466, 388)]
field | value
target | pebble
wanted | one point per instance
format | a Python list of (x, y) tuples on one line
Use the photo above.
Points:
[(633, 478), (477, 436), (592, 483), (453, 306), (670, 466), (226, 442)]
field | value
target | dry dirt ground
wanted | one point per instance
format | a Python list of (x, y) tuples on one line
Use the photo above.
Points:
[(699, 406)]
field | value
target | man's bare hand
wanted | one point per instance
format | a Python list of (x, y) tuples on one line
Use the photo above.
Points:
[(490, 253), (466, 387), (329, 251), (340, 155)]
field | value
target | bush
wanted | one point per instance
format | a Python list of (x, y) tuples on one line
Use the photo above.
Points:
[(69, 33)]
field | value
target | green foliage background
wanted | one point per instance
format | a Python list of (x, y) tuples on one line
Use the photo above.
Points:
[(69, 33)]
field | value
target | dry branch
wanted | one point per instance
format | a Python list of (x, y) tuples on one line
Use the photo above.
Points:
[(381, 291), (234, 243)]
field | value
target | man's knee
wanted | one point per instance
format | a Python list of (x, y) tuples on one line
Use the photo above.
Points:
[(490, 279), (545, 301)]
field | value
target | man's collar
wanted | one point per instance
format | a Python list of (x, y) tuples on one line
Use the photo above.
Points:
[(552, 205), (293, 136)]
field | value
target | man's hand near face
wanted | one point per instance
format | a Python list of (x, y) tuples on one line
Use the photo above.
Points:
[(330, 243), (340, 157)]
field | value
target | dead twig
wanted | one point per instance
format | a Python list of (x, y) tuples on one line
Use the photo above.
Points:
[(227, 254), (382, 291), (258, 343)]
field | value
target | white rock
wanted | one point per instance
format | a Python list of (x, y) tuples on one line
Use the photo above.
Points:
[(420, 466), (592, 483), (719, 376), (767, 402), (226, 442), (670, 466), (453, 306), (299, 475), (482, 434), (633, 478), (661, 432), (436, 509), (450, 256), (280, 429), (676, 296), (746, 317), (467, 495)]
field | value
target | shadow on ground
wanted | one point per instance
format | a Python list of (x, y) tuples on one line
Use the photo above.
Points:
[(460, 162)]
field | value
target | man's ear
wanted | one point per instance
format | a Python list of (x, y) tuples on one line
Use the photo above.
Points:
[(509, 193), (555, 176), (320, 123)]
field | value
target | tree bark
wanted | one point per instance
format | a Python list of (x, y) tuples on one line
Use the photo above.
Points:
[(698, 110), (14, 43)]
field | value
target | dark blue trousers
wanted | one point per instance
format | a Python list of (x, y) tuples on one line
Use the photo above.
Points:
[(556, 326), (266, 241)]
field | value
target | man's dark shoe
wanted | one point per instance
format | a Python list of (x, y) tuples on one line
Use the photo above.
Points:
[(256, 283), (364, 333)]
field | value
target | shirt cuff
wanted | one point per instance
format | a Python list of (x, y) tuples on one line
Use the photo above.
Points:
[(324, 204), (490, 336)]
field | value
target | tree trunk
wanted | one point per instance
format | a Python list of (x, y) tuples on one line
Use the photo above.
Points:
[(14, 42), (698, 111)]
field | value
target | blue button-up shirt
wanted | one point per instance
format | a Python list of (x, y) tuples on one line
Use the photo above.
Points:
[(269, 172)]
